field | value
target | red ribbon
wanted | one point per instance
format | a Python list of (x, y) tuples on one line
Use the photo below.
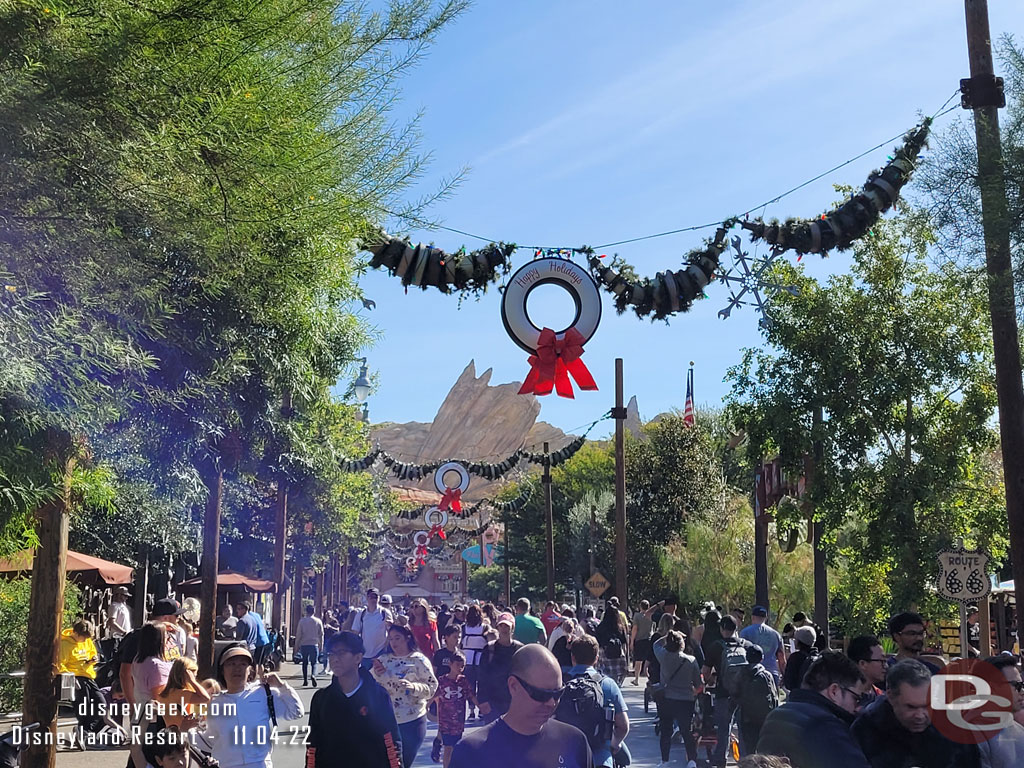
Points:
[(452, 498), (553, 364), (421, 555), (437, 530)]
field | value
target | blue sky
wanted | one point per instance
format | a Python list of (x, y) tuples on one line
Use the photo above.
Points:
[(584, 123)]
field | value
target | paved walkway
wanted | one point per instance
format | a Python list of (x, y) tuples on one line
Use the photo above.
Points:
[(642, 741)]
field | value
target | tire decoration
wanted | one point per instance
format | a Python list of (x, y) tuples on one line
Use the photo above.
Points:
[(435, 517), (837, 229), (421, 538), (451, 498), (425, 266), (555, 356)]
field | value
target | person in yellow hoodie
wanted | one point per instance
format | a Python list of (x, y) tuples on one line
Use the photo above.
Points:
[(78, 655)]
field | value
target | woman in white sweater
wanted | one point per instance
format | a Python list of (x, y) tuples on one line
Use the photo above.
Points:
[(240, 727), (408, 677)]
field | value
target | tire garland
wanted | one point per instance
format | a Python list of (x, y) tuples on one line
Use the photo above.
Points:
[(839, 228), (668, 293), (426, 266), (514, 505)]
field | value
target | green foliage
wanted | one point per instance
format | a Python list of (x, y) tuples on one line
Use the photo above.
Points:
[(488, 583), (716, 562), (897, 357), (673, 478), (14, 602)]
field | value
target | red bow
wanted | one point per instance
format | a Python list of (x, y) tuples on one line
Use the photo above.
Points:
[(556, 360), (421, 555), (437, 530), (452, 498)]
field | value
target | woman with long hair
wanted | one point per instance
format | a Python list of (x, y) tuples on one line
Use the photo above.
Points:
[(474, 640), (150, 667), (408, 677), (240, 728), (612, 634), (680, 682), (424, 627), (183, 699)]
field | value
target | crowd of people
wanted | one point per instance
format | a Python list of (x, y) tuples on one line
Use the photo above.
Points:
[(544, 687)]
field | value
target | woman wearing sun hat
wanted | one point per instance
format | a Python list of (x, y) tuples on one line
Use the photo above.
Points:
[(242, 720)]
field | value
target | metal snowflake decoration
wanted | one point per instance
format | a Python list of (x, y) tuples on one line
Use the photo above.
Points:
[(751, 276)]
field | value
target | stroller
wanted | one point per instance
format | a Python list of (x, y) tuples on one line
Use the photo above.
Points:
[(12, 744)]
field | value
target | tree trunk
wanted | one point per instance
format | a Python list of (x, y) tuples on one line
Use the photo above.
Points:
[(46, 610), (213, 478)]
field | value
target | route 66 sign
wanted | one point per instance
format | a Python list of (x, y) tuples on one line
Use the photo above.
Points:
[(963, 576)]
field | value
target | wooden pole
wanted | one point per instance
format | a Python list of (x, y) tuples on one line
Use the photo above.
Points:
[(298, 585), (549, 523), (45, 615), (344, 574), (281, 527), (985, 621), (465, 578), (330, 577), (619, 414), (964, 653), (1001, 300), (508, 571), (817, 528), (213, 477), (761, 540)]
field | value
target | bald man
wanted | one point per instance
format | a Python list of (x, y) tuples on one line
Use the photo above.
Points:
[(526, 736)]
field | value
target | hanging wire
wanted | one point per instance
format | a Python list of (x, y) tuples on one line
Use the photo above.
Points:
[(940, 112)]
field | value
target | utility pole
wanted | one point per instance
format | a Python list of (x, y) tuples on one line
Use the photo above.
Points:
[(811, 474), (549, 523), (281, 527), (760, 539), (508, 572), (984, 96), (619, 414)]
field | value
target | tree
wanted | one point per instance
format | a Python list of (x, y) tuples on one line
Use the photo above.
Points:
[(672, 478), (897, 357)]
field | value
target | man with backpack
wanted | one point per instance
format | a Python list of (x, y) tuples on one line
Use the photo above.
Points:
[(758, 696), (593, 703), (726, 660)]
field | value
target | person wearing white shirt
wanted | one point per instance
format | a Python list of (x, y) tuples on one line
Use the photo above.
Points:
[(372, 624), (240, 727), (119, 618), (309, 639)]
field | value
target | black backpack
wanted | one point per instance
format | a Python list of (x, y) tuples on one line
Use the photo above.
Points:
[(734, 665), (582, 705)]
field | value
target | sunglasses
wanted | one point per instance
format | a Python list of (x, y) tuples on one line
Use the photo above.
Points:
[(1017, 685), (540, 695), (860, 698)]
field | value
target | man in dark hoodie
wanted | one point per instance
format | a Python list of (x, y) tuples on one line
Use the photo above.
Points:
[(812, 728), (351, 721), (896, 730)]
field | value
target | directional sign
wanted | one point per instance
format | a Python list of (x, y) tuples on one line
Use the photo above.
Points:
[(598, 584), (963, 576)]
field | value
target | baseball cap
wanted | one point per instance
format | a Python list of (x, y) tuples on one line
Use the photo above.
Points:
[(613, 601), (373, 591), (505, 618), (759, 610), (165, 607), (385, 599), (806, 635), (122, 590)]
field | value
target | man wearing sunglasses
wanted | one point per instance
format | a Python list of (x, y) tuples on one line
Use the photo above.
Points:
[(526, 736), (812, 728), (1006, 748)]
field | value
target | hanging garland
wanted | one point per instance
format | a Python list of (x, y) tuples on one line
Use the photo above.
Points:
[(837, 229), (514, 505), (425, 266), (363, 464), (668, 292), (558, 457)]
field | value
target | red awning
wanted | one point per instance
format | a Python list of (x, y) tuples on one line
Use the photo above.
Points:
[(235, 580), (104, 570)]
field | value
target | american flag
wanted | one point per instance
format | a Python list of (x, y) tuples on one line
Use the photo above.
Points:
[(689, 415)]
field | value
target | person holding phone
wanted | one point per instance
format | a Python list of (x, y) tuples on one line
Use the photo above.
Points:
[(408, 677)]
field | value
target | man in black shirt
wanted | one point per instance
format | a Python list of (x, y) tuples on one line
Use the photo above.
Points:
[(526, 736), (495, 662), (351, 721)]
